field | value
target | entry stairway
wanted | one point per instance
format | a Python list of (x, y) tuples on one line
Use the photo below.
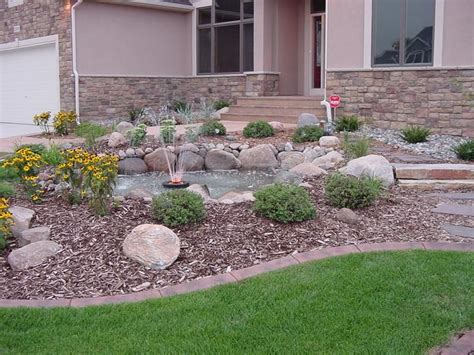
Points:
[(285, 109)]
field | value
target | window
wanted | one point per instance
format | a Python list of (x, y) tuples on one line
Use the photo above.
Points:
[(403, 32), (225, 37)]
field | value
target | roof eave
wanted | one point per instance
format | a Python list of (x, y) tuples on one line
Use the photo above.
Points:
[(152, 4)]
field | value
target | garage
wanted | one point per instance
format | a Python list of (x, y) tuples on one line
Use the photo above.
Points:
[(29, 84)]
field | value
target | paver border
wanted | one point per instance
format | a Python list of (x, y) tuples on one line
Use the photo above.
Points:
[(237, 275)]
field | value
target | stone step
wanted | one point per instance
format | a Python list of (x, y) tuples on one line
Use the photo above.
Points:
[(432, 185), (281, 101), (434, 171), (459, 231), (277, 111), (455, 209), (256, 117), (455, 195)]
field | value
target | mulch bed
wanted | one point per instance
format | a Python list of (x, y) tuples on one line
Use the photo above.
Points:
[(232, 237)]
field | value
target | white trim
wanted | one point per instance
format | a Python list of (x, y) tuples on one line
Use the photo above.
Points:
[(194, 34), (438, 34), (74, 60), (39, 41), (466, 67), (178, 76), (153, 4), (368, 34)]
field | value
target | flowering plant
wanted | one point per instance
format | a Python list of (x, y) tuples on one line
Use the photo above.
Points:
[(42, 121), (71, 172), (6, 220), (63, 121)]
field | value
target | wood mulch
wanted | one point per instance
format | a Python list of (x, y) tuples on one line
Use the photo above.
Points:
[(232, 237)]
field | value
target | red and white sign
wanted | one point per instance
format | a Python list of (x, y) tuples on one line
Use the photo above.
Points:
[(335, 101)]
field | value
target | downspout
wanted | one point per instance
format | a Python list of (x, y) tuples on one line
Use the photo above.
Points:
[(74, 58)]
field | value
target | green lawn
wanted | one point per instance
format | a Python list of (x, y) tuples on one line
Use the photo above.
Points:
[(405, 302)]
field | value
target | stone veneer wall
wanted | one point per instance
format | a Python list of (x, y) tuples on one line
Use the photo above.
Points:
[(440, 99), (111, 98), (40, 18)]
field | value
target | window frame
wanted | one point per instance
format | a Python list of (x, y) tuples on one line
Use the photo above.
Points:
[(212, 26), (403, 31)]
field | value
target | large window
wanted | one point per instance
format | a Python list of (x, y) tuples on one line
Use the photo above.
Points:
[(403, 32), (225, 37)]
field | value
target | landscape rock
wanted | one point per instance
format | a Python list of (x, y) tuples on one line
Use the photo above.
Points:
[(308, 170), (312, 153), (288, 147), (329, 161), (22, 218), (329, 142), (371, 165), (34, 235), (117, 139), (277, 126), (191, 161), (189, 147), (122, 155), (139, 194), (221, 160), (289, 160), (130, 152), (148, 150), (259, 157), (132, 166), (287, 178), (218, 113), (32, 254), (234, 197), (348, 216), (201, 190), (139, 153), (307, 119), (123, 127), (153, 246), (157, 160)]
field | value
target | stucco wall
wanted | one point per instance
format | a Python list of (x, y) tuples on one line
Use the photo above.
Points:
[(122, 40)]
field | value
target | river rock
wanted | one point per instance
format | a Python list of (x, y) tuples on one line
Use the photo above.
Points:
[(307, 170), (123, 127), (34, 235), (189, 147), (32, 254), (221, 160), (307, 119), (132, 166), (259, 157), (313, 153), (289, 160), (117, 139), (191, 161), (371, 165), (234, 197), (21, 219), (348, 216), (277, 126), (153, 246), (329, 142), (157, 160), (329, 161)]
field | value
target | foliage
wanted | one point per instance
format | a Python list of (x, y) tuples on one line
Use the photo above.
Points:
[(52, 155), (6, 189), (90, 131), (8, 173), (284, 203), (465, 150), (168, 131), (35, 148), (185, 114), (6, 220), (207, 110), (308, 134), (178, 207), (350, 192), (347, 124), (135, 114), (179, 105), (42, 121), (137, 135), (212, 128), (357, 147), (414, 134), (259, 129), (27, 164), (220, 104), (191, 134), (63, 122)]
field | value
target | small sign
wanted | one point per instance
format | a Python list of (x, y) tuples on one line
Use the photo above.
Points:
[(335, 101)]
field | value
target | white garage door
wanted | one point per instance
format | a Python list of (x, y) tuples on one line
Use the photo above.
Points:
[(29, 84)]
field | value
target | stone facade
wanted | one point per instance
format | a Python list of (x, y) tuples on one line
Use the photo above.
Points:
[(41, 18), (440, 99), (111, 98)]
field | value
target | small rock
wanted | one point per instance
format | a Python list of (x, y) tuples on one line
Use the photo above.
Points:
[(220, 146), (307, 119), (237, 197), (43, 177), (201, 190), (288, 147), (123, 127), (138, 194), (139, 153), (280, 147), (32, 254), (122, 155), (329, 142), (244, 146), (141, 287), (308, 170), (235, 146), (277, 126), (189, 147), (231, 138), (130, 152), (148, 150), (132, 166), (116, 140), (348, 216), (34, 235), (21, 219), (312, 153)]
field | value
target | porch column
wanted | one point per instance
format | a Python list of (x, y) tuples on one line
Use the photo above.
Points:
[(264, 30)]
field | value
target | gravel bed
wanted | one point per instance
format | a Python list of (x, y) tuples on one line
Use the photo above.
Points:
[(232, 237), (438, 146)]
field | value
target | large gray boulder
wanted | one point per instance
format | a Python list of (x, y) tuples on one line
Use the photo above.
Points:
[(123, 127), (153, 246), (307, 119), (308, 170), (22, 218), (132, 166), (32, 254), (371, 165), (191, 161), (259, 157), (289, 160), (34, 235), (221, 160), (157, 160), (117, 139)]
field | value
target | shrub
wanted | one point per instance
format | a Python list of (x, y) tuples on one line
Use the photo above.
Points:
[(63, 122), (191, 134), (347, 124), (137, 135), (259, 129), (6, 220), (136, 114), (185, 114), (415, 134), (212, 128), (6, 189), (308, 134), (178, 207), (90, 131), (350, 192), (167, 131), (356, 148), (52, 155), (465, 150), (8, 173), (42, 121), (206, 110), (220, 104), (179, 105), (284, 203)]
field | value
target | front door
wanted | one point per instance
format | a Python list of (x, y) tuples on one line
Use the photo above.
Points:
[(317, 54)]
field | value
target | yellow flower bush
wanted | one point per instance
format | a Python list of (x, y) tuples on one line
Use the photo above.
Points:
[(63, 121), (6, 220), (42, 121)]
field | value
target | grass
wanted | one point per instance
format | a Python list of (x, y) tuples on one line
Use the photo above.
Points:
[(381, 303)]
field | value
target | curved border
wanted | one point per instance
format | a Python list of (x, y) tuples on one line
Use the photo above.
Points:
[(237, 275)]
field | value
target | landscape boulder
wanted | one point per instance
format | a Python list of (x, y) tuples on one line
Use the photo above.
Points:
[(289, 160), (329, 142), (123, 127), (348, 216), (132, 166), (32, 254), (307, 119), (312, 153), (259, 157), (329, 161), (277, 126), (34, 235), (22, 218), (221, 160), (371, 165), (234, 197), (153, 246), (157, 161), (117, 139), (308, 170), (190, 161), (201, 190)]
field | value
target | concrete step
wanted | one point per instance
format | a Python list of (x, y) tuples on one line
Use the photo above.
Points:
[(459, 231), (434, 171), (281, 101), (432, 185), (282, 111), (467, 196), (258, 117), (455, 209)]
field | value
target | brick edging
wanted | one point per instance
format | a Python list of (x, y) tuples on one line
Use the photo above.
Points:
[(237, 275)]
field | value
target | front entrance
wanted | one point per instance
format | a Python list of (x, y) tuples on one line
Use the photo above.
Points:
[(317, 60)]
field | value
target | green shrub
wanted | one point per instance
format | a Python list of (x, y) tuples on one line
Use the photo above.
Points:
[(465, 150), (357, 147), (191, 134), (212, 128), (137, 135), (284, 203), (90, 131), (8, 174), (415, 134), (347, 124), (350, 192), (6, 189), (136, 114), (178, 207), (35, 148), (179, 105), (308, 134), (220, 104), (167, 131), (53, 155), (259, 129)]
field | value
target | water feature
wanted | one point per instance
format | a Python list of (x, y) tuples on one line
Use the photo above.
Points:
[(218, 182)]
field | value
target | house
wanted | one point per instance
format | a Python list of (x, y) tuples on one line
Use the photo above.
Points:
[(393, 62)]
